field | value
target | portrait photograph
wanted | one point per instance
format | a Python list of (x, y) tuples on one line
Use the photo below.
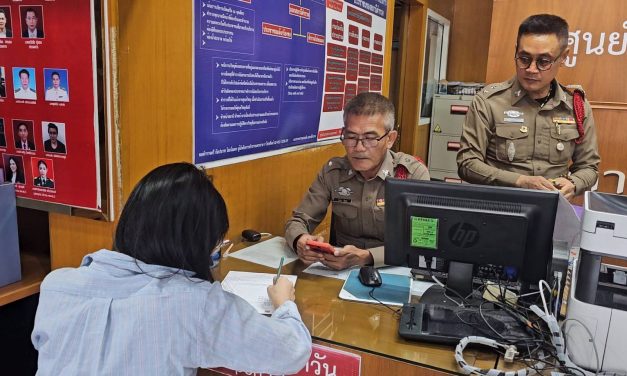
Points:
[(24, 84), (3, 136), (3, 84), (53, 134), (6, 30), (43, 172), (23, 134), (56, 84), (32, 21), (14, 169)]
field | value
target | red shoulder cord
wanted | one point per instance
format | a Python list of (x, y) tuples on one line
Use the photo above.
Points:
[(401, 171), (578, 101)]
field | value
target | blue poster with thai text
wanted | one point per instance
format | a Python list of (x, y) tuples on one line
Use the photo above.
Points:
[(258, 75)]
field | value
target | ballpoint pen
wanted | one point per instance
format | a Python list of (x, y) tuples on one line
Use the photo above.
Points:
[(278, 272)]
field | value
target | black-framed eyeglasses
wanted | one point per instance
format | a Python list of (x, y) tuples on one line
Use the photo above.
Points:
[(368, 142), (543, 63)]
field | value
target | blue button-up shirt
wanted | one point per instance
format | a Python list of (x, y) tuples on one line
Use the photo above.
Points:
[(115, 315)]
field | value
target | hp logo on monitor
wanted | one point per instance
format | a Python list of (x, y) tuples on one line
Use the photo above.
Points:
[(463, 235)]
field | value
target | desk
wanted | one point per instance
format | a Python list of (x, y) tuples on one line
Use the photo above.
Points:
[(367, 330)]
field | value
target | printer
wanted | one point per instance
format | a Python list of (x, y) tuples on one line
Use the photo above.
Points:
[(597, 305)]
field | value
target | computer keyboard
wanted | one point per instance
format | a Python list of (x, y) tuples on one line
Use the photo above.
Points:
[(447, 325)]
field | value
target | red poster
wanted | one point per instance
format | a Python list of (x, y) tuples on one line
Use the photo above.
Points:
[(335, 65), (353, 34), (352, 64), (48, 112), (364, 70), (332, 102), (363, 85), (349, 92), (365, 38), (375, 83), (323, 361), (334, 83), (336, 50), (337, 30), (355, 44)]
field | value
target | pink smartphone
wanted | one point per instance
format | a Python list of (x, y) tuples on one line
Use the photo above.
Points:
[(320, 247)]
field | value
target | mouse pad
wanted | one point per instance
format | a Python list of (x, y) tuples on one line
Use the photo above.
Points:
[(395, 289)]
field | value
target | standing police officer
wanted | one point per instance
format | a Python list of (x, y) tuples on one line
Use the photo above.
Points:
[(524, 132)]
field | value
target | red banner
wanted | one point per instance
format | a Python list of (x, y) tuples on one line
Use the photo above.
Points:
[(323, 361), (48, 142)]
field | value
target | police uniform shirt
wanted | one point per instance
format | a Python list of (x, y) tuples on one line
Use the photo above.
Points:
[(43, 182), (357, 204), (58, 95), (506, 134), (25, 94)]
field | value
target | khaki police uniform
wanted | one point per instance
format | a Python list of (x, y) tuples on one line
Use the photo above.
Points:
[(506, 134), (357, 204)]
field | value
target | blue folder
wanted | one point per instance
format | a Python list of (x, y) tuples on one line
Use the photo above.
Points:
[(395, 289)]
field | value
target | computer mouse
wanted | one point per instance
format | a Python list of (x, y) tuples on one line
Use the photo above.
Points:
[(369, 276), (251, 235)]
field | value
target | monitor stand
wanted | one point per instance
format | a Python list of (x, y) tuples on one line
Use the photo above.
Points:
[(459, 279), (435, 295)]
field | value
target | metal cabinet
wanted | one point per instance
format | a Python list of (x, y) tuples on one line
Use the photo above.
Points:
[(447, 119)]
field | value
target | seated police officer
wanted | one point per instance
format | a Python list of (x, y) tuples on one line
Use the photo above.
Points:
[(354, 186)]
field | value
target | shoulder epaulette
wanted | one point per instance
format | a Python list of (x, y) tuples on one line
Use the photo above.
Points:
[(335, 163), (405, 165), (572, 89), (490, 90)]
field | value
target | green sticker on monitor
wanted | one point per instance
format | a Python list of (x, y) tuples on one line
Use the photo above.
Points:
[(424, 232)]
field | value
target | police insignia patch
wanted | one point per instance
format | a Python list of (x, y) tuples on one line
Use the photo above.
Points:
[(344, 192)]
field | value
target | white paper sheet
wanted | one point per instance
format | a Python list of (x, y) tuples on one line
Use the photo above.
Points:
[(252, 287), (419, 287), (318, 268), (267, 253)]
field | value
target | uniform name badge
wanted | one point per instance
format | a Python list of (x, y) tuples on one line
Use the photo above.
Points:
[(513, 116)]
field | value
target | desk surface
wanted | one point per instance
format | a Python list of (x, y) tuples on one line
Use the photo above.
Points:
[(364, 327)]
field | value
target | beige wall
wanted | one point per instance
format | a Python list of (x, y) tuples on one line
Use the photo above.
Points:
[(469, 41)]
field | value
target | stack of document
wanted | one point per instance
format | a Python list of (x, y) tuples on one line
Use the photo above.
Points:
[(252, 287), (267, 253)]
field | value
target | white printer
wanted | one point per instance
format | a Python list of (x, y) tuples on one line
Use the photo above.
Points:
[(598, 295)]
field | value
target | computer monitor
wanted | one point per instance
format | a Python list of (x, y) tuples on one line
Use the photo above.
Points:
[(470, 226)]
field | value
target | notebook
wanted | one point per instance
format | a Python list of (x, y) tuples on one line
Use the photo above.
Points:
[(395, 289)]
